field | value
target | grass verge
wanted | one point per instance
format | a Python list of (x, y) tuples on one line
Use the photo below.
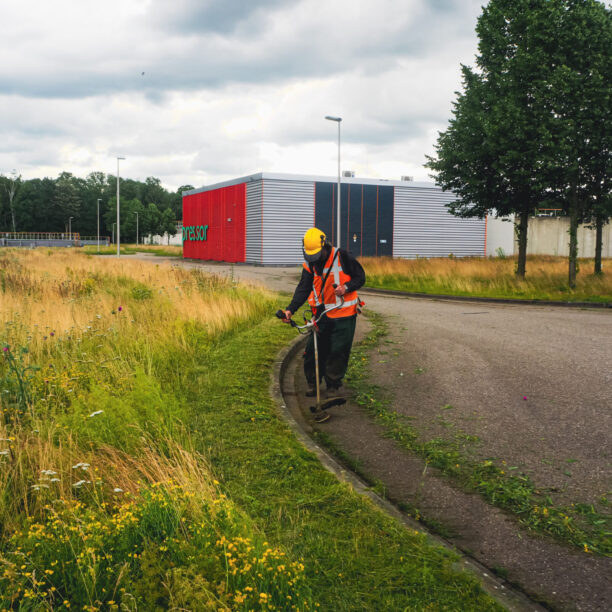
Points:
[(490, 277), (130, 249), (144, 465), (583, 525)]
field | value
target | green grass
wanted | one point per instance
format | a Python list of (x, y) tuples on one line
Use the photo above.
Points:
[(585, 526), (546, 278), (131, 249), (356, 557), (144, 465)]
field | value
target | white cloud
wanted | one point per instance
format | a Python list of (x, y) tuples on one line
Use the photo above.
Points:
[(229, 88)]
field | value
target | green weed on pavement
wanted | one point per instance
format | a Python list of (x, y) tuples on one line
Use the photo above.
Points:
[(581, 524)]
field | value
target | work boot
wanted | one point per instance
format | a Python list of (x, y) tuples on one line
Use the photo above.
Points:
[(335, 392)]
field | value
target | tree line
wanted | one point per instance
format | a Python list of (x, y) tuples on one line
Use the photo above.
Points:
[(532, 127), (54, 205)]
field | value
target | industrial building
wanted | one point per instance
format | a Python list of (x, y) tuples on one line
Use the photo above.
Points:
[(261, 218)]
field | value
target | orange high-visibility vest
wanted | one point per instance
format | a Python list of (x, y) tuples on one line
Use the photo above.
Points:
[(329, 298)]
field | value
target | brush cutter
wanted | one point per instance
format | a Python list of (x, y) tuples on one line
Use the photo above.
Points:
[(310, 327)]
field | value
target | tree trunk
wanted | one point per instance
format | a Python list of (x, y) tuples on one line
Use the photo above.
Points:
[(11, 195), (521, 230), (573, 243), (598, 243)]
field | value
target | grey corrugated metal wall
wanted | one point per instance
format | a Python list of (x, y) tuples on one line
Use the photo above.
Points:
[(254, 222), (422, 226), (288, 211)]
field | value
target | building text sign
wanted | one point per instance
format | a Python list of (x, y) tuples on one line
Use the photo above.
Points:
[(195, 232)]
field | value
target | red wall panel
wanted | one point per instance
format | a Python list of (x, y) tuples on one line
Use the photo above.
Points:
[(214, 224)]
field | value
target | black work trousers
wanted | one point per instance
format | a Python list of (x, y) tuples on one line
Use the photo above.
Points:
[(335, 339)]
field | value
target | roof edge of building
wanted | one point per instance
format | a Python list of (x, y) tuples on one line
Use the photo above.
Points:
[(258, 176)]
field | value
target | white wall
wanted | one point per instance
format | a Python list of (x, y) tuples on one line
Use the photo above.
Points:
[(545, 236), (549, 236), (500, 235), (175, 240)]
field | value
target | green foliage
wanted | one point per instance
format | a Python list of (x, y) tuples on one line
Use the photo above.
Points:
[(531, 124), (45, 205), (141, 292), (16, 375), (121, 418), (158, 550)]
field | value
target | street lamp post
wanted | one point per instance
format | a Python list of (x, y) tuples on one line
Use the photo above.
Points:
[(114, 233), (70, 227), (118, 206), (136, 228), (338, 121), (98, 219)]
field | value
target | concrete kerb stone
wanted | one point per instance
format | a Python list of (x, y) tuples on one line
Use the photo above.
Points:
[(514, 600)]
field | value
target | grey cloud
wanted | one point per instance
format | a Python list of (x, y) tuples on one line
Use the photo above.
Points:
[(189, 57), (198, 16)]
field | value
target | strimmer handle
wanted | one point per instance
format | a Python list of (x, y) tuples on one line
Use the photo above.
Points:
[(281, 315)]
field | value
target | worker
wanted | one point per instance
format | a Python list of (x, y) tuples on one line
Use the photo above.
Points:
[(328, 274)]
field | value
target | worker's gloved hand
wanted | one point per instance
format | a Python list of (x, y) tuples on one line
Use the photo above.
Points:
[(340, 290), (288, 315)]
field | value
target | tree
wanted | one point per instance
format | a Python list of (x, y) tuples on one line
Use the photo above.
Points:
[(32, 204), (177, 200), (152, 222), (11, 186), (506, 147), (154, 193), (602, 211), (66, 203), (168, 223), (127, 219), (579, 100)]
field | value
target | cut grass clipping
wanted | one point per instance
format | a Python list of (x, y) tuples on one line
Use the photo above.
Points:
[(580, 524), (143, 466), (490, 277)]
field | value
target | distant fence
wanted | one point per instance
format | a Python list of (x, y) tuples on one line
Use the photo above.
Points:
[(49, 239)]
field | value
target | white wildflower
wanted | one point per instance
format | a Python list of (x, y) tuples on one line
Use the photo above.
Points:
[(117, 490), (48, 472), (93, 414), (83, 466), (81, 483)]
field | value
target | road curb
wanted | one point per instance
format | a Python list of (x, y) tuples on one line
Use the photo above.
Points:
[(485, 300), (504, 593)]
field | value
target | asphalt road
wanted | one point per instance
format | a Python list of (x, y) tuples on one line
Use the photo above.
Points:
[(534, 383)]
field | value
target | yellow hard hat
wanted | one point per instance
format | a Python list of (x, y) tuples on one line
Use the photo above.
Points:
[(313, 242)]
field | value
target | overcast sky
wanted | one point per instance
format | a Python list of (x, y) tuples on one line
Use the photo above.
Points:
[(199, 91)]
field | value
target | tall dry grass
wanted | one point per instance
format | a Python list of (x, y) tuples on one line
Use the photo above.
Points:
[(67, 293), (46, 464), (107, 336), (489, 277)]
